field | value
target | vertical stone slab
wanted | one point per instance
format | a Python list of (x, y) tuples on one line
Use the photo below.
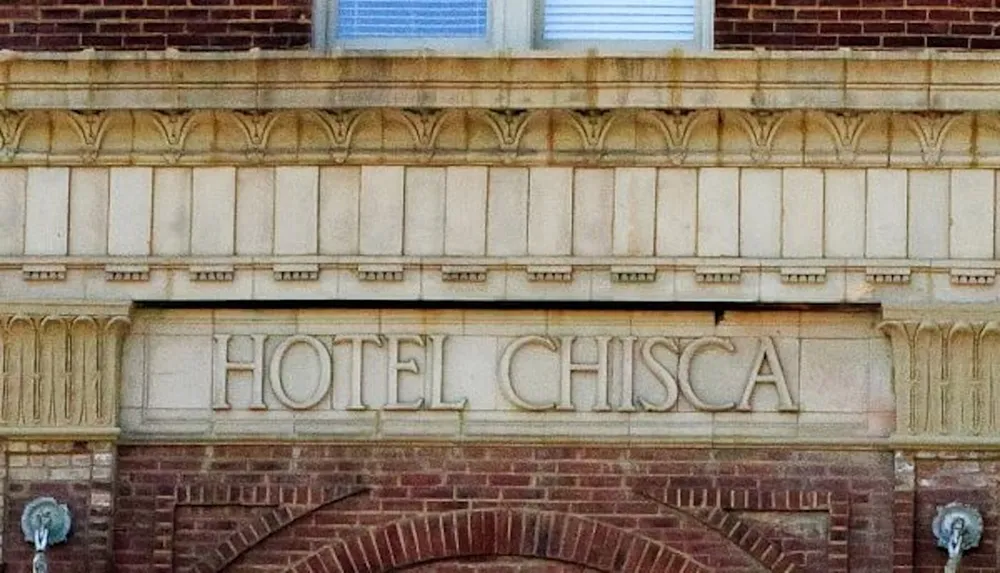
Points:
[(760, 212), (254, 210), (844, 213), (88, 211), (424, 217), (171, 211), (676, 212), (13, 184), (465, 214), (213, 208), (802, 213), (130, 211), (593, 211), (339, 191), (972, 212), (381, 210), (47, 211), (635, 212), (550, 211), (928, 222), (885, 233), (507, 212), (296, 209), (719, 212)]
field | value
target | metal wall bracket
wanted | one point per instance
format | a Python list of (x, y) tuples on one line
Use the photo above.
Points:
[(45, 522), (957, 528)]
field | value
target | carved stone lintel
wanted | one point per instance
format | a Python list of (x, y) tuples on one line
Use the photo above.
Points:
[(550, 274), (803, 275), (888, 275), (33, 272), (639, 274), (463, 273), (381, 273), (974, 277), (728, 275), (296, 272), (126, 273), (212, 273)]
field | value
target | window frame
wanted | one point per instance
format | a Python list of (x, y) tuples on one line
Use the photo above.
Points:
[(513, 25), (703, 28)]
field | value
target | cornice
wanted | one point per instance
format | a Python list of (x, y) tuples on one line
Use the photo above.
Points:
[(258, 80), (469, 135)]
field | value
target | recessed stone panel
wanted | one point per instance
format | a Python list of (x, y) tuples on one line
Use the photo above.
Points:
[(610, 374)]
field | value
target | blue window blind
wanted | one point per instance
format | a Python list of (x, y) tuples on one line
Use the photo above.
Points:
[(620, 20), (411, 18)]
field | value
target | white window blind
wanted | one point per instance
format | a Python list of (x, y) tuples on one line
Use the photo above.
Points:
[(412, 18), (620, 20)]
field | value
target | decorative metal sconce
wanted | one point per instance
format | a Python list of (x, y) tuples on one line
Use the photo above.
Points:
[(44, 522), (957, 528)]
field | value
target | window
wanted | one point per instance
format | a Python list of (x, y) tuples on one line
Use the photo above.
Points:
[(514, 24)]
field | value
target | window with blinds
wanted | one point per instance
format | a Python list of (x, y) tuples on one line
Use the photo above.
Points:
[(479, 25), (359, 19), (619, 20)]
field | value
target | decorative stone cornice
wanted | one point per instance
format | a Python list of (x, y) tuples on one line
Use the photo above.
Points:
[(448, 136), (260, 80), (60, 366), (777, 108)]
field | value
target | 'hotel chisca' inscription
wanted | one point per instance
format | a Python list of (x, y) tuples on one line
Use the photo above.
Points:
[(668, 365)]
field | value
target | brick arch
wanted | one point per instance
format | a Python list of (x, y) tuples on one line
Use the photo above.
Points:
[(502, 532)]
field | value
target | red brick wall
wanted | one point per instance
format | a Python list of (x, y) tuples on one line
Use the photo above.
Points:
[(78, 474), (281, 24), (154, 24), (972, 478), (811, 24), (529, 509)]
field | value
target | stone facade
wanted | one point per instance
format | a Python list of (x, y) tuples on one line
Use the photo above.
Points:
[(292, 312)]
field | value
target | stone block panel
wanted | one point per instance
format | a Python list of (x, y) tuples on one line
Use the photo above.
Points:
[(776, 213), (447, 374)]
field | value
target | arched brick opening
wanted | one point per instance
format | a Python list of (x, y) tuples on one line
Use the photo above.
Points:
[(544, 535)]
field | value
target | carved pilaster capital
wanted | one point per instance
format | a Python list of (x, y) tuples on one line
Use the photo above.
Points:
[(946, 373), (60, 368)]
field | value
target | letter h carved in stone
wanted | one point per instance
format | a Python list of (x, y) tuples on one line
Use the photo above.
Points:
[(946, 377)]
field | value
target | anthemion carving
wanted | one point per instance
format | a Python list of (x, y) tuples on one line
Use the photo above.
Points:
[(500, 136), (946, 376), (60, 370)]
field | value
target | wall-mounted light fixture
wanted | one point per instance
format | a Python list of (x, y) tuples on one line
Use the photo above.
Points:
[(44, 522), (957, 528)]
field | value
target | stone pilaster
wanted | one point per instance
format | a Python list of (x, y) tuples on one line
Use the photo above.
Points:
[(60, 368)]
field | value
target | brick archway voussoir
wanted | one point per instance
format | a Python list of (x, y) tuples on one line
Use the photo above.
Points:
[(544, 535)]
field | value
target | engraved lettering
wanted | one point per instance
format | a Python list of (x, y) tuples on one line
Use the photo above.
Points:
[(507, 383), (323, 384), (767, 354), (395, 367), (684, 372), (664, 361), (357, 401), (628, 375), (220, 378), (436, 370), (660, 372), (569, 367)]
